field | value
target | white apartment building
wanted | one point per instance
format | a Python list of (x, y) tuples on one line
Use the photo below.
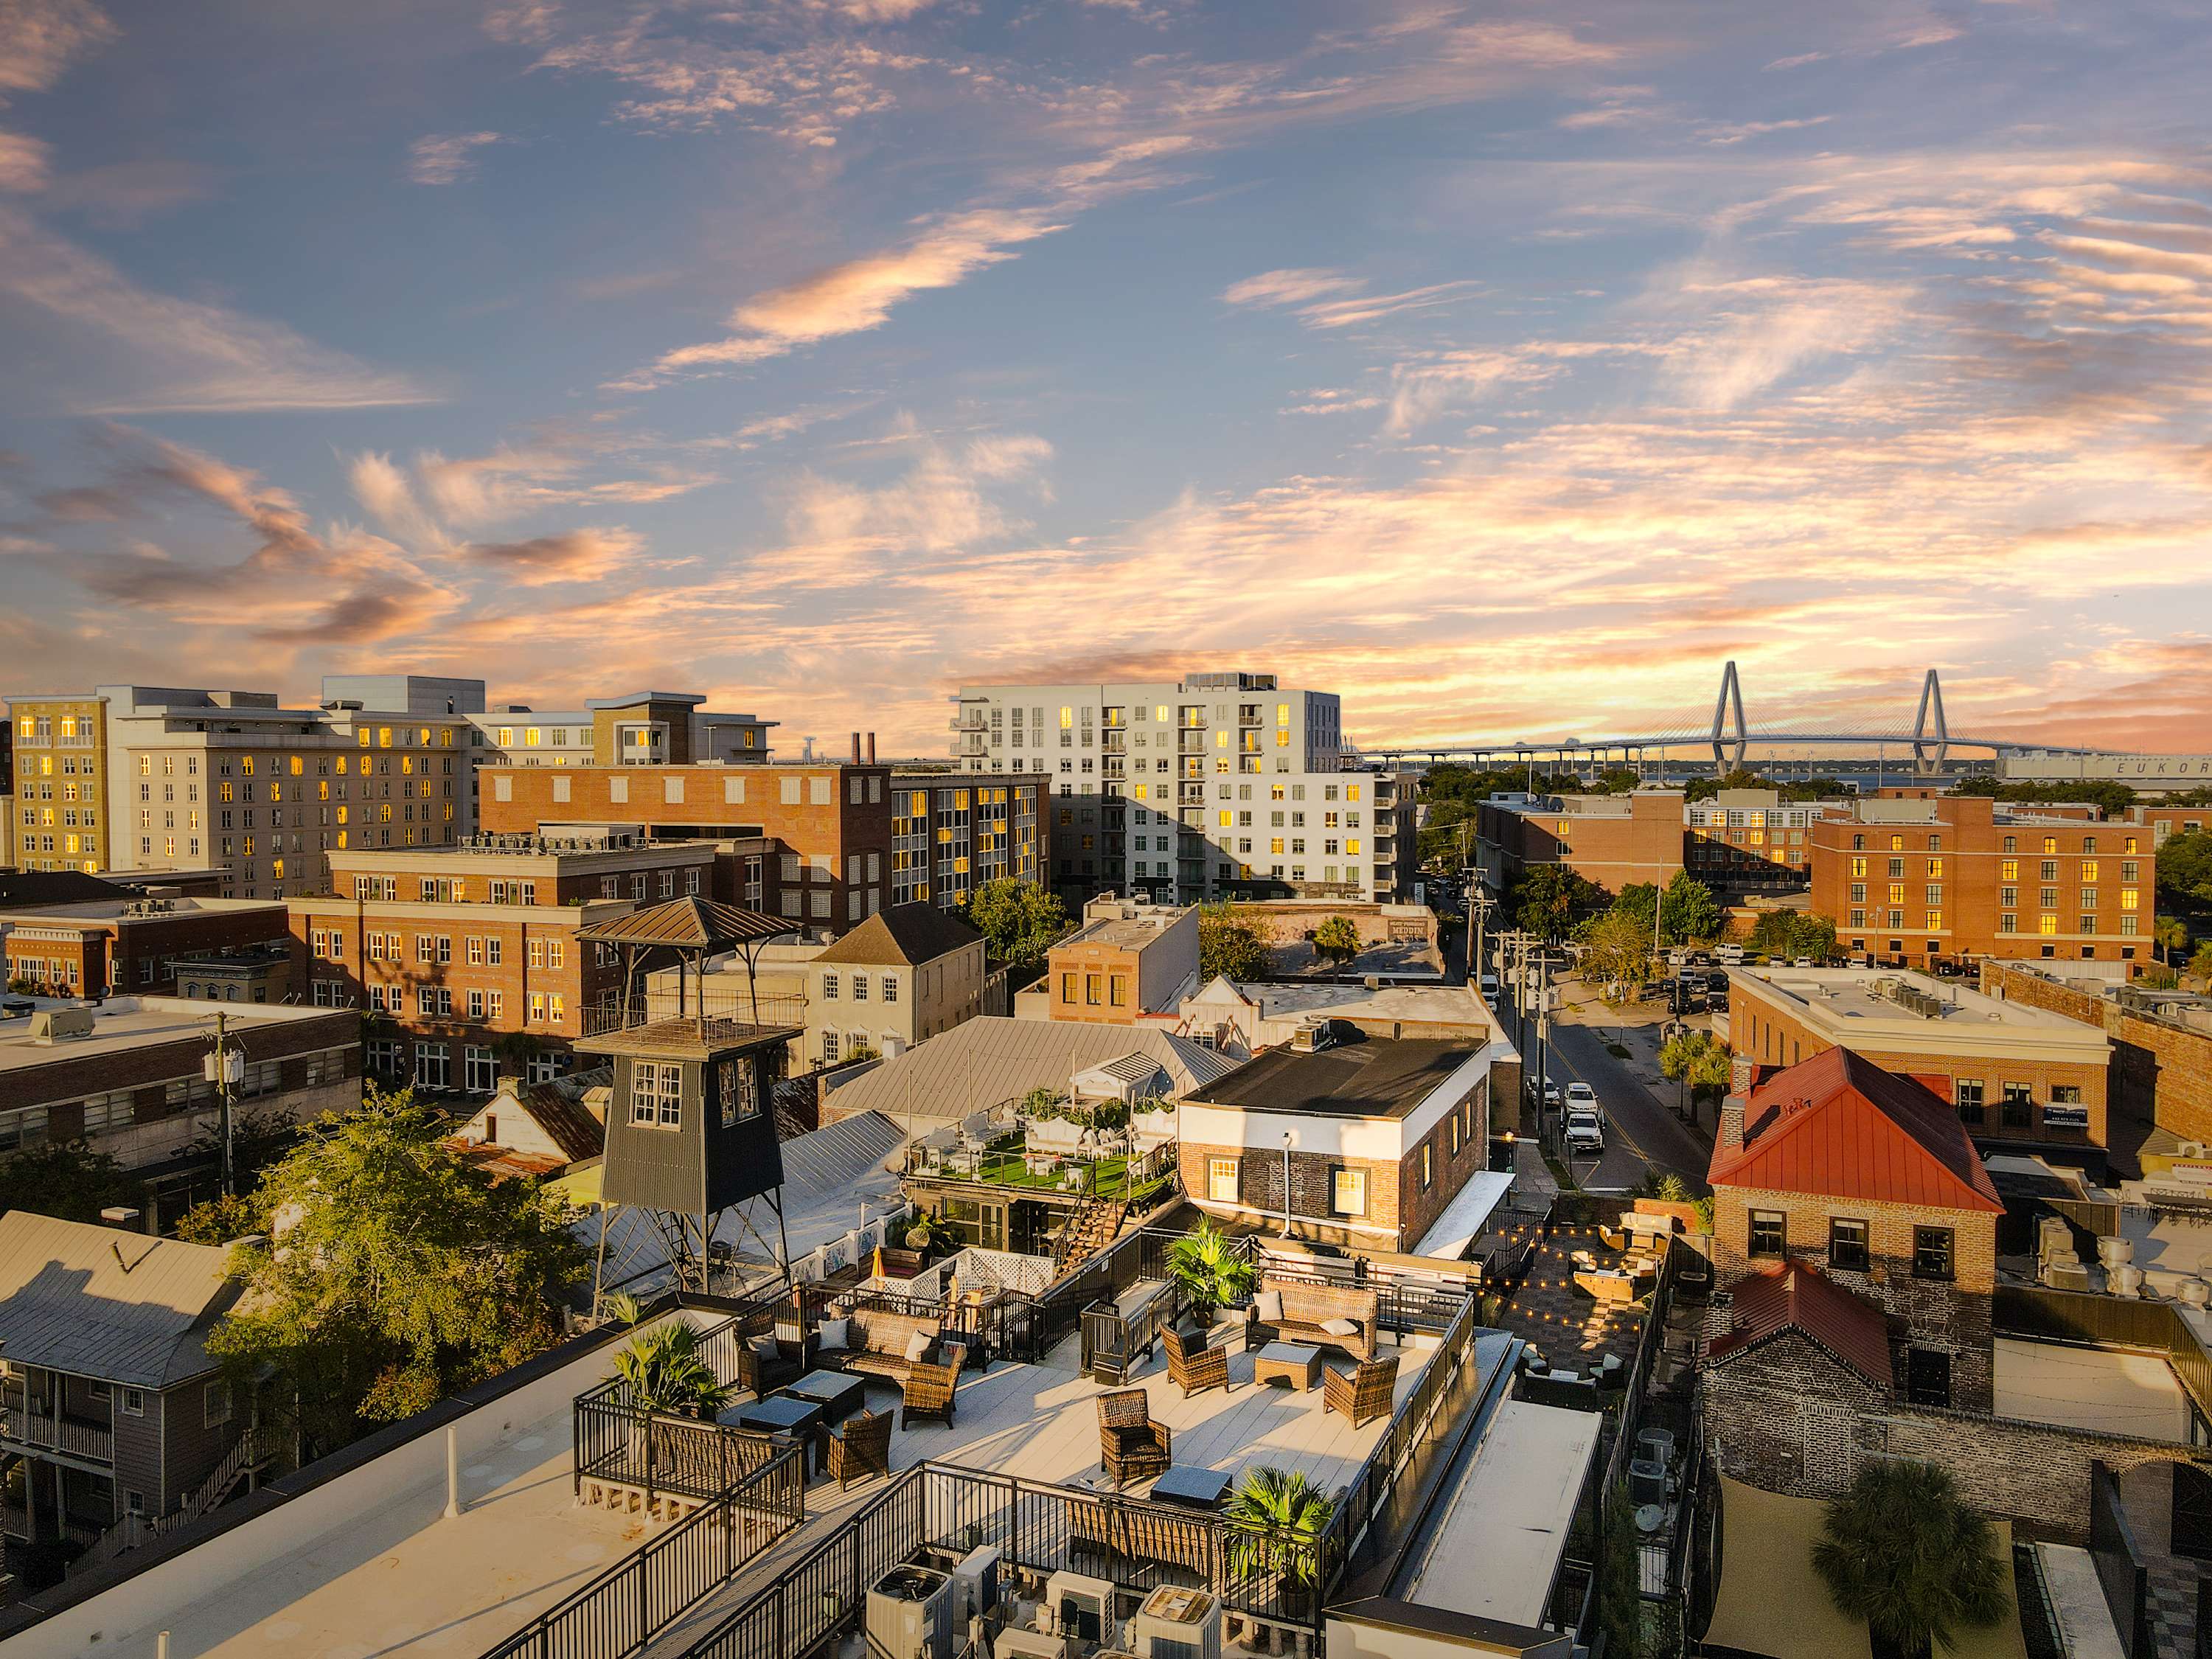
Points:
[(233, 781), (1173, 789)]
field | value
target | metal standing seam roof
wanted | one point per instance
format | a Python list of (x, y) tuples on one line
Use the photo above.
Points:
[(984, 1061), (691, 921), (1801, 1297), (1839, 1126), (102, 1302)]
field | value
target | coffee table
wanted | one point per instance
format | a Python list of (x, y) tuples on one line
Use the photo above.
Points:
[(1191, 1488), (1295, 1363), (787, 1418), (839, 1393)]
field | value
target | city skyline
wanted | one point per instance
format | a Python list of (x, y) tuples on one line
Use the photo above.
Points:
[(1502, 371)]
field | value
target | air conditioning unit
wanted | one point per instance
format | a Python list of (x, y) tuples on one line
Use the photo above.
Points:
[(1080, 1608), (910, 1614), (974, 1586), (1175, 1623), (1019, 1642)]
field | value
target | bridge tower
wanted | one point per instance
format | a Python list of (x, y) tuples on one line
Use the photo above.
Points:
[(1931, 704), (1727, 709)]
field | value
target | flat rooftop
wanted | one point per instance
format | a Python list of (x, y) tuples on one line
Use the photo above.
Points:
[(1433, 1005), (2135, 1394), (1358, 1076), (1126, 932), (133, 907), (1861, 1001), (122, 1023)]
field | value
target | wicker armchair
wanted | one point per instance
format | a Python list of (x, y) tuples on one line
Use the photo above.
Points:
[(927, 1391), (1363, 1394), (765, 1376), (860, 1448), (1130, 1445), (1194, 1367)]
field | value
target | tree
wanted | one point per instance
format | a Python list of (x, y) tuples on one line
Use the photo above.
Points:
[(1337, 938), (69, 1179), (1208, 1272), (1548, 900), (400, 1272), (1689, 911), (2200, 965), (2169, 935), (2185, 872), (1278, 1520), (1700, 1061), (1904, 1552), (1232, 944), (1616, 951), (1792, 933), (1019, 919)]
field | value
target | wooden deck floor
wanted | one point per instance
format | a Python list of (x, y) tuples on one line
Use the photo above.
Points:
[(1041, 1422)]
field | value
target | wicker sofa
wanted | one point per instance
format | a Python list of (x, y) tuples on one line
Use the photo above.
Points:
[(876, 1342), (1307, 1307)]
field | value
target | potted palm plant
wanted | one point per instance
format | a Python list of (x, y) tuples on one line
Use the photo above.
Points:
[(1278, 1523), (1210, 1273), (666, 1374)]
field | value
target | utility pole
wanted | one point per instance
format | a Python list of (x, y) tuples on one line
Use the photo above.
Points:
[(1479, 905), (225, 1067)]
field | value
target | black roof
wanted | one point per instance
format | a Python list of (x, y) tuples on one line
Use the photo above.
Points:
[(19, 888), (1357, 1076), (911, 933)]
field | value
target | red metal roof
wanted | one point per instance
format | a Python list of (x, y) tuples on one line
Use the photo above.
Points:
[(1839, 1126), (1801, 1297)]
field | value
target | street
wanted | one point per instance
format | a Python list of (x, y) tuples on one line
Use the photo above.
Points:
[(1641, 1130)]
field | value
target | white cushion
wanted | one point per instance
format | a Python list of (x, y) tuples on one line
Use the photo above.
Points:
[(918, 1345), (1340, 1327), (1268, 1305), (833, 1333), (764, 1347)]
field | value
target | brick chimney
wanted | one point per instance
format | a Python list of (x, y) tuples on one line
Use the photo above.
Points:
[(1730, 1138), (856, 748), (871, 749)]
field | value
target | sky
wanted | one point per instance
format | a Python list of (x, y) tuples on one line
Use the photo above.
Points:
[(1503, 367)]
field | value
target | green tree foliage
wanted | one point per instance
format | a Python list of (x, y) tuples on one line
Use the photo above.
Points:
[(400, 1273), (2185, 872), (1276, 1520), (1790, 934), (2114, 799), (1904, 1552), (1688, 912), (1018, 920), (1337, 939), (1549, 899), (2200, 965), (1700, 1060), (68, 1179), (2171, 935), (1232, 943), (666, 1369), (1616, 949)]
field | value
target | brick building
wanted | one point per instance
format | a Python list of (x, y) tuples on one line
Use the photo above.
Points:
[(2161, 1046), (1747, 841), (1615, 841), (2019, 1078), (1948, 878), (950, 833), (824, 830), (1377, 1135), (129, 942), (1867, 1181), (2166, 821), (59, 770), (467, 961), (1127, 960), (130, 1081)]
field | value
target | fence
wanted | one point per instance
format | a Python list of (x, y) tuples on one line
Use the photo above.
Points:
[(618, 1613), (660, 1451), (2120, 1565), (2037, 1310)]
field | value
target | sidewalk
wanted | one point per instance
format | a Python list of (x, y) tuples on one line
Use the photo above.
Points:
[(1637, 1028)]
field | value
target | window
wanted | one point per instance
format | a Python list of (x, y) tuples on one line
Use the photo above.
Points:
[(434, 1065), (1769, 1232), (134, 1402), (859, 988), (1931, 1253), (829, 987), (1847, 1245), (1966, 1095), (1928, 1377), (479, 1067), (1221, 1180), (215, 1404), (2019, 1106), (1428, 1165), (1349, 1192), (891, 987), (656, 1095), (830, 1042)]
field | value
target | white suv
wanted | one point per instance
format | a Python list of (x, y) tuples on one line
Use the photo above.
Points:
[(1581, 1094), (1585, 1129)]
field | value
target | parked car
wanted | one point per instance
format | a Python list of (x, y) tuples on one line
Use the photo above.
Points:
[(1802, 962), (1585, 1131), (1580, 1094), (1729, 956), (1551, 1098), (1489, 985)]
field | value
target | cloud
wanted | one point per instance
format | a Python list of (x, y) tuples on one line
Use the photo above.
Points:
[(570, 557), (38, 39), (1316, 295), (447, 158), (24, 162), (1736, 132), (142, 352), (1290, 288)]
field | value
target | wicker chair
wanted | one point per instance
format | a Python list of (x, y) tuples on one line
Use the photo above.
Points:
[(1363, 1394), (1196, 1368), (860, 1448), (928, 1390), (1130, 1445)]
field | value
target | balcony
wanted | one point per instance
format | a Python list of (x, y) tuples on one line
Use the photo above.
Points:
[(73, 1436)]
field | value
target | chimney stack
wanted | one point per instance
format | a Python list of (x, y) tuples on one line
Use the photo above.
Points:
[(856, 748), (871, 749)]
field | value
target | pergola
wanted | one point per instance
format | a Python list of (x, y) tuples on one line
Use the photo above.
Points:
[(692, 929)]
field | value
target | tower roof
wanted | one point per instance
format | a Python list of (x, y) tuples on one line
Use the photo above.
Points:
[(691, 923)]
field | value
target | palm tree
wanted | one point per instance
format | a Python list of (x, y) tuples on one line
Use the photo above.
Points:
[(2170, 934), (1903, 1550), (666, 1370), (1278, 1522), (1209, 1271)]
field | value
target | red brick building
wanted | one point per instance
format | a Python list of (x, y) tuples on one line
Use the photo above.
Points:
[(125, 944), (1954, 876), (466, 961), (827, 829), (1615, 841)]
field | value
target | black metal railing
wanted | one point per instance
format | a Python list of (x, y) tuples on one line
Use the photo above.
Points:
[(619, 1612), (2122, 1569), (660, 1452)]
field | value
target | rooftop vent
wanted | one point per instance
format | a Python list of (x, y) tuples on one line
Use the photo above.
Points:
[(1312, 1036)]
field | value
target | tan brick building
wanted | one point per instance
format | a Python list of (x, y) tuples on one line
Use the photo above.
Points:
[(2019, 1076), (1127, 960), (1867, 1179), (1958, 877), (59, 815), (466, 962), (1376, 1135)]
